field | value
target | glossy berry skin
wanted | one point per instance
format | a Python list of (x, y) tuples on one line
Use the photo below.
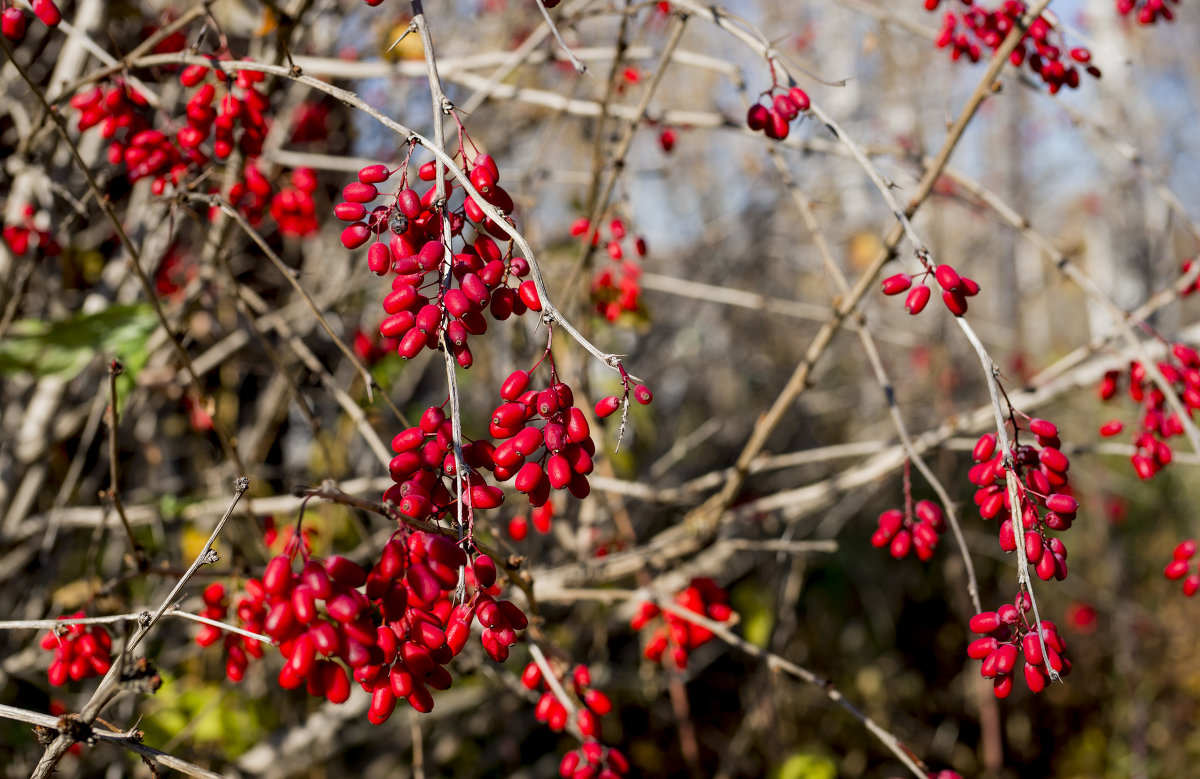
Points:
[(12, 24)]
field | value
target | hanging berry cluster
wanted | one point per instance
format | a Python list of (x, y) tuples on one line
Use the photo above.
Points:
[(424, 302), (955, 289), (220, 117), (915, 529), (702, 596), (593, 761), (1042, 489), (1008, 633), (615, 289), (391, 628), (80, 651), (239, 120), (1181, 563), (1156, 422), (1148, 11), (965, 32), (783, 105), (590, 704)]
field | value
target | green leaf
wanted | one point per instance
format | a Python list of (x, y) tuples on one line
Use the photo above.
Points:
[(65, 347)]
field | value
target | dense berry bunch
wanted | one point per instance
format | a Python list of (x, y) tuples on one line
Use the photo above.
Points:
[(593, 761), (1041, 487), (966, 32), (21, 237), (391, 628), (615, 289), (1181, 563), (547, 443), (124, 118), (436, 291), (955, 289), (13, 24), (80, 652), (1156, 422), (1148, 11), (918, 528), (783, 105), (239, 120), (703, 597), (218, 118), (1008, 634), (590, 704), (424, 470), (293, 208)]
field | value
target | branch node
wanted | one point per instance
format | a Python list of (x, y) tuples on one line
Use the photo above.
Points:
[(76, 729)]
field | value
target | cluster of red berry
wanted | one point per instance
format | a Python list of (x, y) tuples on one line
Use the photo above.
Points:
[(1044, 503), (13, 24), (80, 651), (1181, 563), (593, 761), (1041, 47), (1148, 11), (121, 112), (240, 118), (557, 455), (591, 704), (775, 119), (236, 120), (1156, 422), (293, 208), (416, 254), (393, 627), (20, 237), (917, 528), (1042, 489), (955, 289), (702, 596), (1008, 633), (615, 289)]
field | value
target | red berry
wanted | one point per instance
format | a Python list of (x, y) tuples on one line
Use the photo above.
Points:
[(606, 406), (48, 12), (529, 295), (374, 174), (756, 117), (894, 285), (800, 98), (947, 277), (12, 24), (955, 301), (917, 298)]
